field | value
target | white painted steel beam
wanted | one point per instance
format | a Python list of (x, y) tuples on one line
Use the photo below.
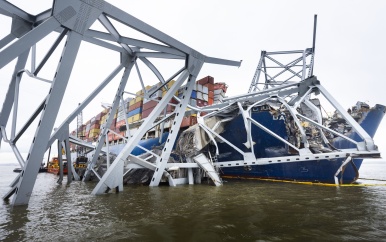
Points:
[(25, 42), (47, 120), (369, 143), (194, 67), (101, 139)]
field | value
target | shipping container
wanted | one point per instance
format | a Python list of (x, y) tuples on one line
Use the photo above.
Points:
[(134, 112), (221, 85), (218, 98), (188, 121), (201, 103), (147, 112), (155, 93), (111, 136), (205, 90), (219, 92), (135, 105), (205, 97), (194, 94), (134, 118), (209, 86), (205, 80), (211, 95), (139, 93), (149, 105), (135, 100), (94, 126), (112, 125), (199, 96), (120, 123), (198, 87)]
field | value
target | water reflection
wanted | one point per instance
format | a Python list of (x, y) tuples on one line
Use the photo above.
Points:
[(16, 218)]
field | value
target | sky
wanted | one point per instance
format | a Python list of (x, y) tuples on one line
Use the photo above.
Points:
[(349, 58)]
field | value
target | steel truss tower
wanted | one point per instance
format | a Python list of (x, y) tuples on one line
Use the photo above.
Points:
[(73, 19)]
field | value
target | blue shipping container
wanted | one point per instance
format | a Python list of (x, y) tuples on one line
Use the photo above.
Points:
[(134, 112), (194, 94)]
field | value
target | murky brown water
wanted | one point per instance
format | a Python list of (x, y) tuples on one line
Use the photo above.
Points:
[(237, 211)]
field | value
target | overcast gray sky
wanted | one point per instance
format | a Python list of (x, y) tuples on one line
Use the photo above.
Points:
[(350, 47)]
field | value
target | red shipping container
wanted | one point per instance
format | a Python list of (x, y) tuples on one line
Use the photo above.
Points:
[(120, 123), (188, 121), (111, 136), (210, 101), (120, 136), (135, 106), (205, 80), (173, 100), (146, 113), (170, 108), (112, 126), (201, 103), (149, 105)]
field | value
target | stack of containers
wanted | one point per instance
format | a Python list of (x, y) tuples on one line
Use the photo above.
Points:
[(149, 104), (170, 107), (208, 89), (220, 89), (135, 108), (87, 131), (94, 129), (169, 85), (104, 116)]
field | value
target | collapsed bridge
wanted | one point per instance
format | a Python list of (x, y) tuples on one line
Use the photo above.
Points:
[(72, 22)]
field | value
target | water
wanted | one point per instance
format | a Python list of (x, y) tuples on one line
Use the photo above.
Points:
[(237, 211)]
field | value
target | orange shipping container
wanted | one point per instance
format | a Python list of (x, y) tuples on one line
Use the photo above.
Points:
[(188, 121)]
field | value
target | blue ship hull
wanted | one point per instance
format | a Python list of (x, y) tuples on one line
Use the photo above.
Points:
[(268, 146)]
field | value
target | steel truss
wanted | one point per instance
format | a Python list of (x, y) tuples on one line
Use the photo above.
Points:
[(73, 19)]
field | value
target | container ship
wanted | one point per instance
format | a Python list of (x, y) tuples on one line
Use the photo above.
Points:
[(275, 144)]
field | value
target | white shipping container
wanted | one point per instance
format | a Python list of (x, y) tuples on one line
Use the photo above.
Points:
[(199, 96), (205, 90), (198, 87), (219, 92), (205, 97), (88, 127), (156, 94), (218, 97)]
